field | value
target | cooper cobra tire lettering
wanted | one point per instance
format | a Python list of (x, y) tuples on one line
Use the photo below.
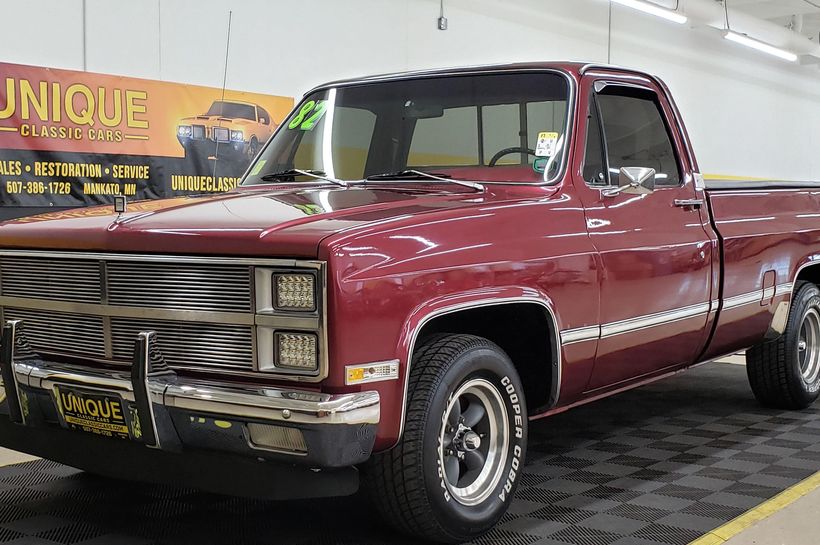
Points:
[(518, 420)]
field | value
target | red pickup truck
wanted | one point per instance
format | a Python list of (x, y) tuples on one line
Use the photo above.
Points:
[(413, 267)]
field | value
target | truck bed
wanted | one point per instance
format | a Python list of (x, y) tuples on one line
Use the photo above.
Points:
[(768, 231)]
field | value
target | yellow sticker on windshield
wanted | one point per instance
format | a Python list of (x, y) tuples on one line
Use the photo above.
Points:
[(258, 166), (547, 142)]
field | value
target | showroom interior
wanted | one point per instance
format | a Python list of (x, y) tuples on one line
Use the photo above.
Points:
[(410, 271)]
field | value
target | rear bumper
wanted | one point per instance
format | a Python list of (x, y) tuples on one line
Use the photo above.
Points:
[(177, 415)]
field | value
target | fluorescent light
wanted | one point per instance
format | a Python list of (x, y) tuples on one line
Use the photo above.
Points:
[(760, 46), (650, 8)]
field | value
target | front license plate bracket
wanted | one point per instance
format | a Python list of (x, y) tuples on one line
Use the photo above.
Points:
[(101, 413)]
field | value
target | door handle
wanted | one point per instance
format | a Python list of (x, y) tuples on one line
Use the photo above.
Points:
[(685, 203)]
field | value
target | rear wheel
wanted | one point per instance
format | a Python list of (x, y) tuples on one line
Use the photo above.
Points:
[(453, 473), (785, 372)]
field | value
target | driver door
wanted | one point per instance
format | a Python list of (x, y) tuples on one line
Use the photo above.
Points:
[(655, 255)]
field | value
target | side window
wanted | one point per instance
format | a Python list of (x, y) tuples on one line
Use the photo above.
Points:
[(636, 135), (263, 114), (594, 164)]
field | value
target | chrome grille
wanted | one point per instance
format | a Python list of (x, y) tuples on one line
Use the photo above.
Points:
[(65, 279), (185, 342), (225, 288), (204, 309), (221, 134), (200, 287), (72, 334)]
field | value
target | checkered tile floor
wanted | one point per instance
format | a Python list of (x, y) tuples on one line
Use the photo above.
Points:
[(663, 464)]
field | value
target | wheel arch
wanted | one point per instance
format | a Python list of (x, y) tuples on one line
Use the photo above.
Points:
[(468, 310), (808, 271)]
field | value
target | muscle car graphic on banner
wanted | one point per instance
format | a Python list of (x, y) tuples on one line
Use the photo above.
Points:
[(72, 138)]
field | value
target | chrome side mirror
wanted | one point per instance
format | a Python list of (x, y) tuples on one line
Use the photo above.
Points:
[(633, 181)]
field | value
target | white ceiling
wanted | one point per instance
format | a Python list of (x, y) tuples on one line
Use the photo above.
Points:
[(782, 11)]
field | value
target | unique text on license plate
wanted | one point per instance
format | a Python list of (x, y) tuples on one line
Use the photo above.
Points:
[(95, 413)]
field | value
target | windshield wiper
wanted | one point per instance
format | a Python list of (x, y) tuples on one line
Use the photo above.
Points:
[(411, 174), (291, 172)]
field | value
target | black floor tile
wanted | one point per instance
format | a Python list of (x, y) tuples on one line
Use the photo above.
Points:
[(660, 465)]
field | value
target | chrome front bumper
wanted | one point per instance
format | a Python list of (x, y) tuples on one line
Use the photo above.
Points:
[(173, 413)]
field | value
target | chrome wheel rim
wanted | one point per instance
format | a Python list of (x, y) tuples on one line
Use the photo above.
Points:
[(473, 442), (808, 346)]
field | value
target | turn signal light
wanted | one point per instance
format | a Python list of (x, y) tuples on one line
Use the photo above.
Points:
[(371, 372)]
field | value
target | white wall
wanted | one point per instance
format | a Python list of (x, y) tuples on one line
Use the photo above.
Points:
[(748, 115)]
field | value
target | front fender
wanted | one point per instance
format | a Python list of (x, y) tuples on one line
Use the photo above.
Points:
[(451, 303)]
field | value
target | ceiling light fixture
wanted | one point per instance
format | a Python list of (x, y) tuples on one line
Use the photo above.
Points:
[(653, 9), (743, 39)]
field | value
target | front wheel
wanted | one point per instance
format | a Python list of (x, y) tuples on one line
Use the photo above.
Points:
[(785, 373), (458, 463)]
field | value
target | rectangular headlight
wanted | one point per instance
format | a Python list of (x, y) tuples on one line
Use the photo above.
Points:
[(296, 351), (237, 136), (295, 292)]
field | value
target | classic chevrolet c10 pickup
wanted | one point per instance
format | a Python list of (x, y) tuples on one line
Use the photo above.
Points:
[(413, 267)]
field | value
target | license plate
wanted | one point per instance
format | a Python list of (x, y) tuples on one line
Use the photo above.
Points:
[(101, 414), (221, 134)]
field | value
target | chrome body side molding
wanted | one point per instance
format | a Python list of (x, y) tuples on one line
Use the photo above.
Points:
[(653, 320), (755, 297), (579, 335), (752, 297), (611, 329)]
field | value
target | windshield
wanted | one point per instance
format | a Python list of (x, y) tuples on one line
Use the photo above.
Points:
[(232, 110), (507, 127)]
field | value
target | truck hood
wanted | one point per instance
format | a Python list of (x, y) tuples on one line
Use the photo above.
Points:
[(249, 221)]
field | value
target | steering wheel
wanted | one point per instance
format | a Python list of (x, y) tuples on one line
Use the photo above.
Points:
[(507, 151)]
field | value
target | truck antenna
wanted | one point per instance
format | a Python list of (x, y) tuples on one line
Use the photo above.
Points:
[(224, 83)]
